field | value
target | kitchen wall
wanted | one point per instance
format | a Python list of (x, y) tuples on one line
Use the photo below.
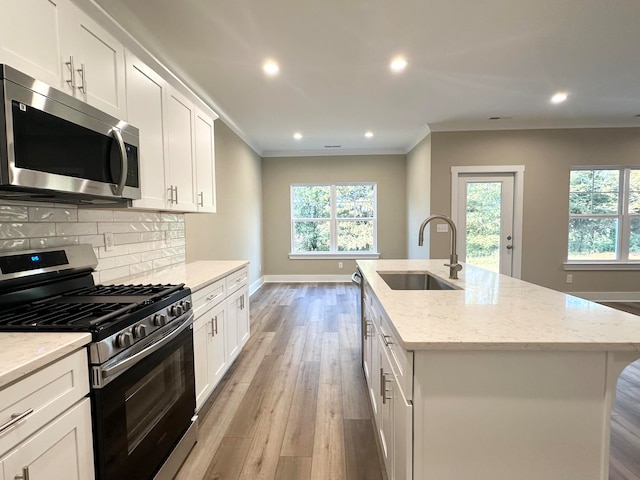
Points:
[(547, 156), (235, 231), (142, 240), (388, 171), (418, 196)]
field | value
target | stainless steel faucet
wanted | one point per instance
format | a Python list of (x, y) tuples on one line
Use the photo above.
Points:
[(454, 266)]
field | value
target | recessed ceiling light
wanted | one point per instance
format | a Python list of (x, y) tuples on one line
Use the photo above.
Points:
[(368, 134), (297, 135), (398, 64), (271, 68), (559, 97)]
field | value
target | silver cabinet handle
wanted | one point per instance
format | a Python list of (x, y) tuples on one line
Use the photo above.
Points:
[(216, 323), (124, 162), (176, 187), (15, 418), (83, 86), (383, 386), (72, 69), (211, 322), (386, 338), (24, 476), (201, 202)]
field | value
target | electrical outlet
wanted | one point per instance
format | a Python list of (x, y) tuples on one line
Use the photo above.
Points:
[(108, 241), (442, 228), (339, 264), (569, 278)]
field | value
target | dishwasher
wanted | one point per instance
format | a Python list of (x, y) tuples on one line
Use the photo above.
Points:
[(358, 279)]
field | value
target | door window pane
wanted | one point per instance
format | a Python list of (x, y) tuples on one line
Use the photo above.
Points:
[(593, 238), (484, 200)]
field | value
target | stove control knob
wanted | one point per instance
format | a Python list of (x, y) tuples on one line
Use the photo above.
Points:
[(176, 310), (139, 331), (187, 305), (124, 340), (159, 320)]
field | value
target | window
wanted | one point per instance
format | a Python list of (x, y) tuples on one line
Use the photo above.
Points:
[(604, 215), (333, 219)]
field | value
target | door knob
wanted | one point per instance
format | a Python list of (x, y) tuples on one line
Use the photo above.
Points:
[(509, 247)]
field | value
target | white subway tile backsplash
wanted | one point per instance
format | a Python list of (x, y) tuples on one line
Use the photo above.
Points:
[(78, 228), (46, 214), (13, 213), (139, 236)]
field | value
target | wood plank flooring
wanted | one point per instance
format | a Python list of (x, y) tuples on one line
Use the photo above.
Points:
[(294, 405)]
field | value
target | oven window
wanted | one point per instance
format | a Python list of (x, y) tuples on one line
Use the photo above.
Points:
[(148, 401)]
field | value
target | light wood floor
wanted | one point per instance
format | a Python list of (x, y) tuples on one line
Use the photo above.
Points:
[(294, 406)]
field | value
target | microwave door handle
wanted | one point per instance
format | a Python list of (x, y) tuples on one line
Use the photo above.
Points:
[(119, 187)]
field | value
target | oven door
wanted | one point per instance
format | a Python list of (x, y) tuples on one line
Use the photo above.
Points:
[(144, 408)]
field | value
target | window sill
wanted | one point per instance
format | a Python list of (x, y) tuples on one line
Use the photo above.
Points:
[(332, 255), (601, 265)]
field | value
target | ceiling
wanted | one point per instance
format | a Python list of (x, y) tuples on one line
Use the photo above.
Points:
[(467, 61)]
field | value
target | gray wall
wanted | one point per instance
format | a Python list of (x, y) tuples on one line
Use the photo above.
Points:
[(418, 196), (234, 232), (388, 171), (547, 156)]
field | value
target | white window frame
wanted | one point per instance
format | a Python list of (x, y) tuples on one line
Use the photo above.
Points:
[(621, 262), (333, 229)]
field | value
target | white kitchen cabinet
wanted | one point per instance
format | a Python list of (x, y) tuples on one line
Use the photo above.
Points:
[(52, 439), (93, 68), (146, 92), (221, 328), (180, 140), (62, 450), (205, 161), (30, 38)]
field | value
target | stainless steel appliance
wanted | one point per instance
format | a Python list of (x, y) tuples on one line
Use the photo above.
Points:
[(54, 147), (358, 279), (141, 354)]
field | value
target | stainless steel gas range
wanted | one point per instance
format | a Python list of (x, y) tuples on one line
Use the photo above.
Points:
[(141, 354)]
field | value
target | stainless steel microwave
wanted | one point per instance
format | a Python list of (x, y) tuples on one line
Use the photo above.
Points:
[(56, 148)]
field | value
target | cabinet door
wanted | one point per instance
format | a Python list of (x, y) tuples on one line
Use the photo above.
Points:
[(60, 451), (145, 101), (205, 162), (243, 317), (201, 334), (30, 40), (98, 61), (180, 119), (402, 436), (233, 317), (217, 348), (386, 398)]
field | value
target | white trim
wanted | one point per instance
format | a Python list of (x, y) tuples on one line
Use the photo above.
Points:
[(333, 256), (518, 202), (608, 296), (602, 265), (333, 152), (307, 279), (255, 286)]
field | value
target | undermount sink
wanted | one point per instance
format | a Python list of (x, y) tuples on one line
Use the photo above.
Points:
[(415, 281)]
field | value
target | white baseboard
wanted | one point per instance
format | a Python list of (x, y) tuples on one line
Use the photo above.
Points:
[(307, 278), (608, 296), (255, 286)]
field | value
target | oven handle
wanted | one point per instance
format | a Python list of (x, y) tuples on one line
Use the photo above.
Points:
[(132, 360)]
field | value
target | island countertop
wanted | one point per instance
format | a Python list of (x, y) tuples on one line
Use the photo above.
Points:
[(495, 312)]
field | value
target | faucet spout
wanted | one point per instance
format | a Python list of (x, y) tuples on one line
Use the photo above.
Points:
[(454, 266)]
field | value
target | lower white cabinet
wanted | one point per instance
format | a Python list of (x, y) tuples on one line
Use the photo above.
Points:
[(45, 423), (60, 451), (221, 328)]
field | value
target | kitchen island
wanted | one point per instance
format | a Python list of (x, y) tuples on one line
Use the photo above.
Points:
[(495, 379)]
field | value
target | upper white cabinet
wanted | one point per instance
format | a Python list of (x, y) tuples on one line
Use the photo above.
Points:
[(146, 91), (205, 161), (94, 62), (55, 42), (30, 38), (180, 138)]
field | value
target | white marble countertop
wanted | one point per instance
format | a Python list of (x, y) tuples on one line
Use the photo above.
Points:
[(496, 312), (194, 275), (23, 353)]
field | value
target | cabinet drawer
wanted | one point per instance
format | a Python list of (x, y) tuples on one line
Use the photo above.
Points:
[(237, 280), (401, 360), (48, 392), (209, 296)]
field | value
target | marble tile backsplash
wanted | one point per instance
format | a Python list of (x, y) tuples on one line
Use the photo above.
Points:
[(142, 240)]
